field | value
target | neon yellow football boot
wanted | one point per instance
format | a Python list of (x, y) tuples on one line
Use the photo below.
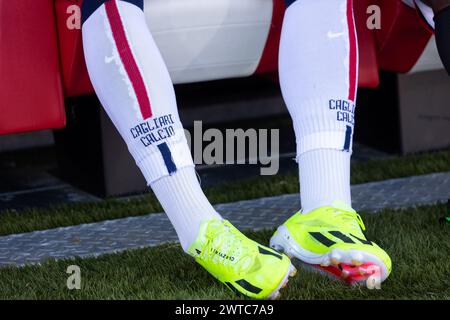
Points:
[(332, 238), (245, 266)]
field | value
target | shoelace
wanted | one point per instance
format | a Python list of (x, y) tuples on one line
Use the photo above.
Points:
[(225, 235), (350, 218)]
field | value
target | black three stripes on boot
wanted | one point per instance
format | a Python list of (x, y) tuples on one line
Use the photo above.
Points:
[(328, 242)]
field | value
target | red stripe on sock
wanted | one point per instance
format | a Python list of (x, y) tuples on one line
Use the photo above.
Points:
[(353, 51), (126, 55)]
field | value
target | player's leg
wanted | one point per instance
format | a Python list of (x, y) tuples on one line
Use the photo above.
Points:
[(318, 76), (437, 5), (436, 14), (134, 87), (441, 10)]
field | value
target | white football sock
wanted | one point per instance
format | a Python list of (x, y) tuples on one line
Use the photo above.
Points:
[(324, 178), (318, 77), (134, 87), (185, 204)]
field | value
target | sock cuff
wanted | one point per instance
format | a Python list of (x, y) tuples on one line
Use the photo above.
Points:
[(170, 158), (336, 140), (324, 124)]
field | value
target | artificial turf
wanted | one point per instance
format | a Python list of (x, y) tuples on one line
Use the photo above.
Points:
[(66, 215), (415, 239)]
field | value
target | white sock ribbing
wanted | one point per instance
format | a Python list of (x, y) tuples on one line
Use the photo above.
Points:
[(184, 203), (324, 178)]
